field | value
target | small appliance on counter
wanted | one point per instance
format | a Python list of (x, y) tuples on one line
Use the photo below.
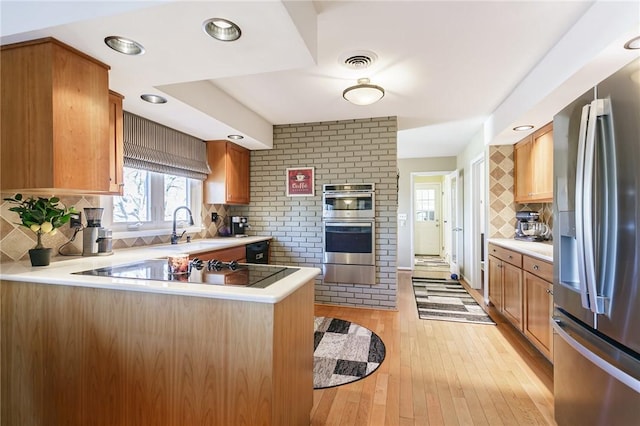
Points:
[(239, 225), (529, 227), (96, 240)]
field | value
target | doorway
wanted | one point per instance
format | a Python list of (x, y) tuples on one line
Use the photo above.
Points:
[(427, 218), (478, 220), (456, 202)]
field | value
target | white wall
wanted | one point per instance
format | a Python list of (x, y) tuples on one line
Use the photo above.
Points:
[(406, 167), (475, 149)]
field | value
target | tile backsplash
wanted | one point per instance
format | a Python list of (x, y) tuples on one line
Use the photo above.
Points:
[(16, 240), (502, 207), (502, 216)]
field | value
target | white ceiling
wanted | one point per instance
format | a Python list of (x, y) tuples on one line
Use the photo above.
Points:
[(452, 71)]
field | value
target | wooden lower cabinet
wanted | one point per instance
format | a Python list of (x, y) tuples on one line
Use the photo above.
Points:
[(495, 282), (505, 282), (92, 356), (520, 288), (239, 254), (512, 297), (538, 308)]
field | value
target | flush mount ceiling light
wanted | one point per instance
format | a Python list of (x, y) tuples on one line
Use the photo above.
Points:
[(235, 137), (153, 99), (523, 128), (363, 93), (221, 29), (633, 44), (124, 45)]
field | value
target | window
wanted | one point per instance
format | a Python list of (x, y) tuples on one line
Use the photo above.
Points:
[(149, 200), (425, 205), (133, 206)]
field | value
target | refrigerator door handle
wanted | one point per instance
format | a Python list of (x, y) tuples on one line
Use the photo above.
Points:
[(566, 335), (587, 198), (579, 207), (603, 288), (599, 107)]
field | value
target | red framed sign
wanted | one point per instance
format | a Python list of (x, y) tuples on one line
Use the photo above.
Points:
[(300, 182)]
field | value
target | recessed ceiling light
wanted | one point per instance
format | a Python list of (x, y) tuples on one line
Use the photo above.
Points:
[(235, 137), (632, 44), (221, 29), (124, 45), (523, 128), (153, 99)]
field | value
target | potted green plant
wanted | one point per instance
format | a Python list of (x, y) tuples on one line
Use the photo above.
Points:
[(42, 216)]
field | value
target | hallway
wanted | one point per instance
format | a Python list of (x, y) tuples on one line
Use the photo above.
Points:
[(438, 373)]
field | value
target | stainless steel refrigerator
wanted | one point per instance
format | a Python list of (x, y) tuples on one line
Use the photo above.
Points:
[(597, 254)]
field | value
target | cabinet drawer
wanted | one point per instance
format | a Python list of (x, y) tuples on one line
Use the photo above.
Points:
[(238, 254), (538, 267), (507, 255)]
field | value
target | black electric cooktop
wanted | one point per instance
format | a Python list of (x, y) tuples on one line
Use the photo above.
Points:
[(236, 274)]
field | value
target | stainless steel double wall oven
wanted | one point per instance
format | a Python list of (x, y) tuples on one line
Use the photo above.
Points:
[(348, 216)]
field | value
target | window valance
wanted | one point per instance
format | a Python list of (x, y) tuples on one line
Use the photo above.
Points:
[(151, 146)]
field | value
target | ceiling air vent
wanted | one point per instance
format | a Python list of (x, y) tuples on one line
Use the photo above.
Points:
[(358, 60)]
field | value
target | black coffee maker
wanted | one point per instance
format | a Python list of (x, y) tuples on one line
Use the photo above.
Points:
[(96, 240), (239, 225)]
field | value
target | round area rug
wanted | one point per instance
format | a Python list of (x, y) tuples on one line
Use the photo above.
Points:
[(344, 352)]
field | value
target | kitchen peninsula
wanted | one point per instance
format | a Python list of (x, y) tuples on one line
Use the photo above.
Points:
[(79, 349)]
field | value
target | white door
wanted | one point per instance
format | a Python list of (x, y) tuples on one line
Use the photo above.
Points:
[(456, 222), (427, 217), (477, 222), (446, 218)]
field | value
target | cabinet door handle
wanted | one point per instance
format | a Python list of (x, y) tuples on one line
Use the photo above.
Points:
[(536, 267), (510, 257)]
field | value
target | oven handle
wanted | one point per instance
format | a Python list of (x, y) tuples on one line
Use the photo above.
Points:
[(345, 224), (360, 195)]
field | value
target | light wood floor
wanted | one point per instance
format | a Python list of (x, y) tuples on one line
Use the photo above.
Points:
[(440, 373)]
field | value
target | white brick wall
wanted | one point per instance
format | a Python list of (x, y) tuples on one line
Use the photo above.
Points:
[(360, 151)]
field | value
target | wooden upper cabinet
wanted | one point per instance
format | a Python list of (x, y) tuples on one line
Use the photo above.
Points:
[(116, 148), (522, 163), (533, 158), (55, 118), (542, 157), (228, 182)]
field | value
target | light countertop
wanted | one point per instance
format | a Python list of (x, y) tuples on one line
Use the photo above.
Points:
[(542, 251), (61, 269)]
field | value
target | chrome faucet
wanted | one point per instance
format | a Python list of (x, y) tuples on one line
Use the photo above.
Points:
[(174, 236)]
